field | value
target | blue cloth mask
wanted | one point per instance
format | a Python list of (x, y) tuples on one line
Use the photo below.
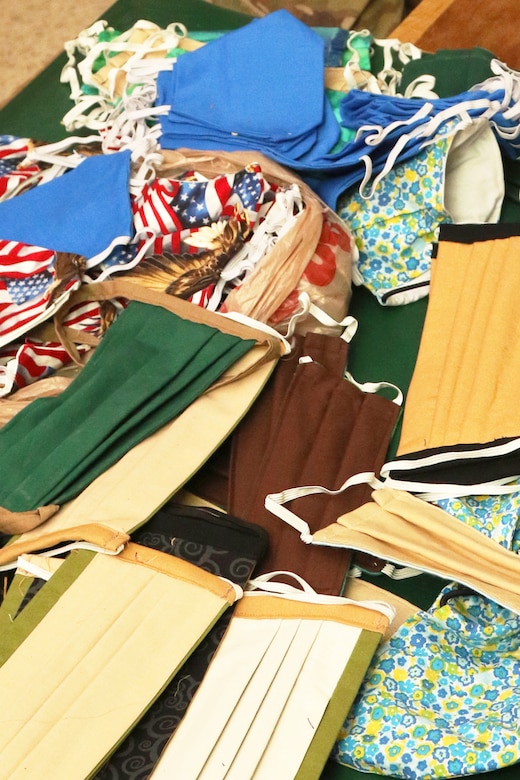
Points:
[(86, 211)]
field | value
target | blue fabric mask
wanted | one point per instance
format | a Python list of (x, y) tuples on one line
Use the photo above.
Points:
[(86, 211), (240, 84)]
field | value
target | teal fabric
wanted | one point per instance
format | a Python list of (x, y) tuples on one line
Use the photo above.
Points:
[(149, 367)]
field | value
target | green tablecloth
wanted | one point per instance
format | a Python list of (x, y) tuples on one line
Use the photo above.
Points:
[(386, 344)]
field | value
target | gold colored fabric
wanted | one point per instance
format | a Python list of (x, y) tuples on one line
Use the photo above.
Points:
[(259, 607), (359, 589), (19, 522), (466, 378), (102, 536)]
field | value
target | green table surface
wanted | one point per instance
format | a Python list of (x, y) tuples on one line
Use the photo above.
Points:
[(385, 346)]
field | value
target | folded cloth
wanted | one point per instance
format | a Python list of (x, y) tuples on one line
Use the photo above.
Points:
[(312, 426), (128, 493), (437, 701), (300, 130), (86, 211), (460, 426), (222, 545), (409, 531), (241, 85), (149, 367), (269, 704), (100, 655)]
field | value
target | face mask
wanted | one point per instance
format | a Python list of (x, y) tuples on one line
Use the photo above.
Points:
[(437, 701), (459, 424), (107, 651), (347, 428), (223, 545), (397, 222), (136, 401), (298, 655)]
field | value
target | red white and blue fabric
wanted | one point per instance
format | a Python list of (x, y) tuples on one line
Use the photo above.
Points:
[(24, 362), (14, 179), (63, 215), (172, 209), (26, 277), (168, 211)]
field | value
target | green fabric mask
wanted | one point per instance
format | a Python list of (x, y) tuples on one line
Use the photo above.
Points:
[(149, 367)]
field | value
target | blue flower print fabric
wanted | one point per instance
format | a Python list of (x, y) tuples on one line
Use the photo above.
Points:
[(439, 700), (495, 516), (396, 226), (442, 696)]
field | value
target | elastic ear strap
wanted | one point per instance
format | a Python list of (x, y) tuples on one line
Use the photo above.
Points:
[(348, 323), (308, 594), (274, 501), (375, 387), (264, 582)]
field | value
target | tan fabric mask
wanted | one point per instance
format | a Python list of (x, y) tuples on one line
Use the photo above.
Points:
[(129, 492), (409, 531), (301, 658), (99, 656)]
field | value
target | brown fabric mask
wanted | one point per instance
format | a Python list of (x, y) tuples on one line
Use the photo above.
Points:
[(311, 426)]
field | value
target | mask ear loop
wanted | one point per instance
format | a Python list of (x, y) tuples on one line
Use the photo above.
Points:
[(406, 52), (98, 111), (278, 219), (274, 502), (56, 551), (168, 38), (373, 135), (50, 153), (354, 76), (349, 324), (82, 43), (482, 106), (422, 87), (264, 583), (375, 387)]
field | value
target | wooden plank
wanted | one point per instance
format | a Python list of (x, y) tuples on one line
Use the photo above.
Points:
[(463, 24), (420, 19)]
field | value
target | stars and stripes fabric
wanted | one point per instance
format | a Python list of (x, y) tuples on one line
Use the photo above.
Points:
[(23, 364), (27, 361), (174, 208), (15, 177), (27, 274), (121, 258), (53, 231)]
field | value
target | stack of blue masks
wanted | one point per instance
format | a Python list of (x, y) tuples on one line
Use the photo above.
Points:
[(262, 88)]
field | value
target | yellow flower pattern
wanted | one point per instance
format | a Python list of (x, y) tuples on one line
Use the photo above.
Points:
[(395, 228), (443, 692)]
